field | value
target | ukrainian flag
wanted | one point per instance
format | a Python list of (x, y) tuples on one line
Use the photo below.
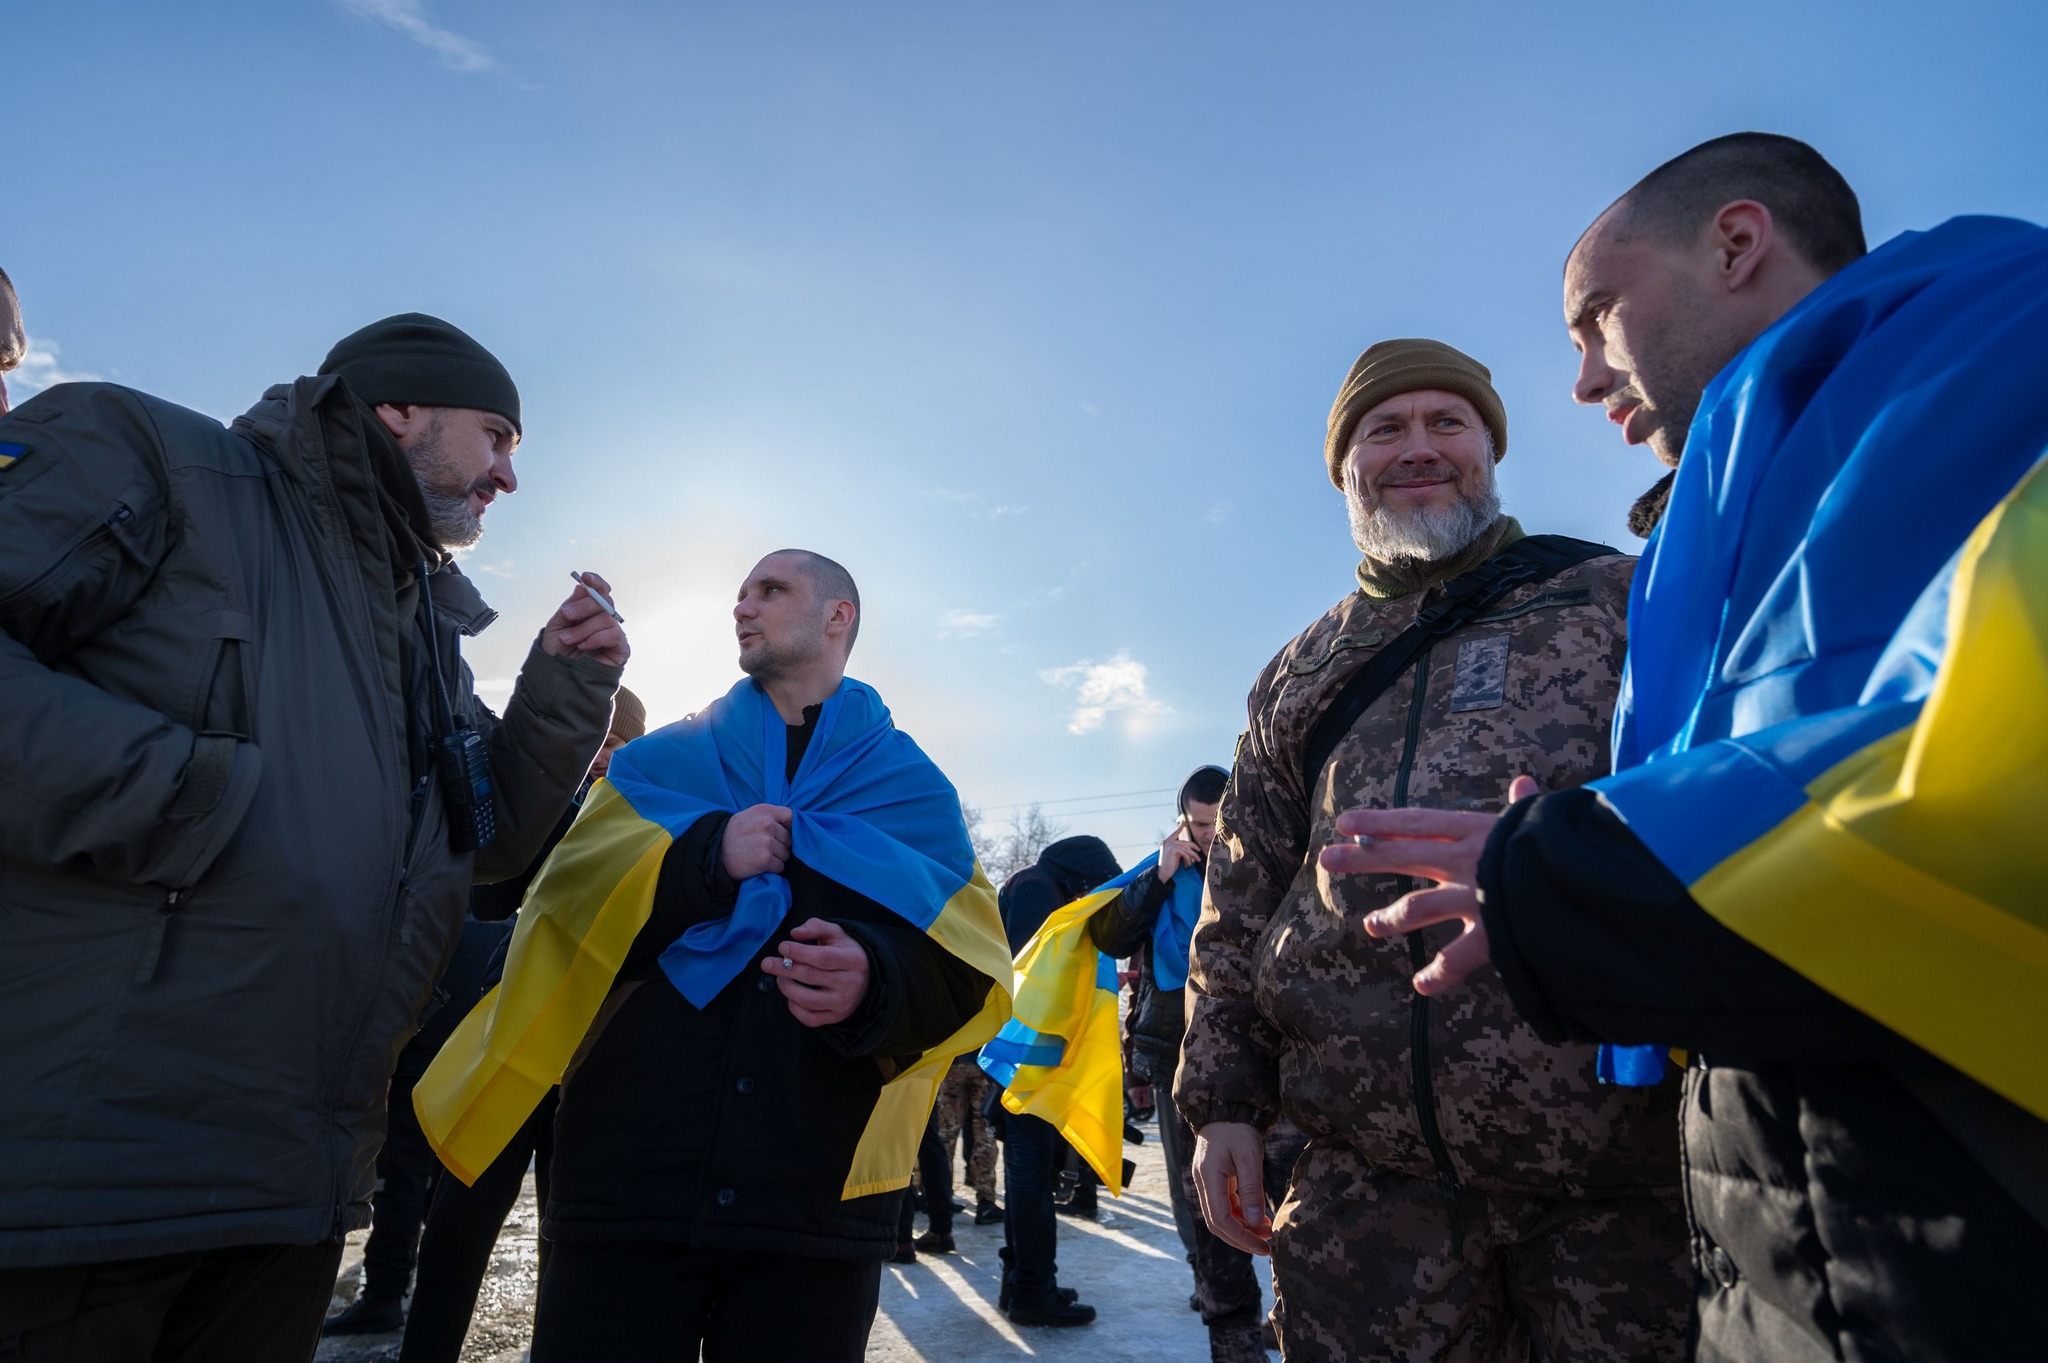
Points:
[(870, 812), (1835, 723), (1060, 1057)]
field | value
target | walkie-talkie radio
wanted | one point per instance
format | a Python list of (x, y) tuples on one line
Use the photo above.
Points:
[(461, 760)]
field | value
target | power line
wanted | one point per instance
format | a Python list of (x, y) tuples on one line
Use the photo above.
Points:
[(1090, 813), (1079, 799)]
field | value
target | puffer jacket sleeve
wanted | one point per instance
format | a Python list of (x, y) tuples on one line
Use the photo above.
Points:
[(1596, 940), (90, 777), (540, 749), (1229, 1065)]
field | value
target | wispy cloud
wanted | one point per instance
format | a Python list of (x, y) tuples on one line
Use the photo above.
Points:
[(972, 502), (1100, 688), (41, 369), (1219, 513), (407, 17), (966, 624)]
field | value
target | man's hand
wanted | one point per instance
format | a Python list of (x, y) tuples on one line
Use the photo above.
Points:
[(1443, 845), (1230, 1180), (1176, 852), (581, 628), (756, 842), (823, 973)]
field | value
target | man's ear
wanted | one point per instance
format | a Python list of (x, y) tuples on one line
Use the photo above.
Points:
[(1743, 236), (400, 419)]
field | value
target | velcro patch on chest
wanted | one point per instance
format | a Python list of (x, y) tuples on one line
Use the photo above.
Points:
[(11, 454), (1482, 680)]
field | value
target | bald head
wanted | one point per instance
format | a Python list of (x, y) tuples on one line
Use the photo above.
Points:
[(1812, 205), (1691, 265), (830, 584)]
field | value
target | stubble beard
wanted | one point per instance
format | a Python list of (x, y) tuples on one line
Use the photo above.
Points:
[(767, 662), (450, 521), (1426, 534)]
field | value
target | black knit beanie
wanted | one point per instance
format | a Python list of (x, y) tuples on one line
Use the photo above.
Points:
[(414, 358)]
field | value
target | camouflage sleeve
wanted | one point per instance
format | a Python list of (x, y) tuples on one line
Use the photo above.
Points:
[(1229, 1066)]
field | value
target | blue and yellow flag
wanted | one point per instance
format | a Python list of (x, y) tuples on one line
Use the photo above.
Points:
[(870, 812), (1060, 1057), (1834, 726)]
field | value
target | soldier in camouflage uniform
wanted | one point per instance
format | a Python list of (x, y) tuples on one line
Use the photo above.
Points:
[(959, 1113), (1468, 1192)]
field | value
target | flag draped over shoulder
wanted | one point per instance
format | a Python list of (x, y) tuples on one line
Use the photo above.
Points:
[(869, 811), (1060, 1056), (1834, 726)]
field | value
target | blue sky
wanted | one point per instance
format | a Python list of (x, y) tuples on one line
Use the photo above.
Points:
[(1029, 315)]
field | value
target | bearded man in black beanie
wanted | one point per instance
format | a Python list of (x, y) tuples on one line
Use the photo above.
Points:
[(249, 787)]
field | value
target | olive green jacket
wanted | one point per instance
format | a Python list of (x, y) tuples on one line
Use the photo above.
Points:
[(226, 881)]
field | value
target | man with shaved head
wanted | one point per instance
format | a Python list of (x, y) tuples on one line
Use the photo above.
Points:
[(1818, 867), (732, 1145)]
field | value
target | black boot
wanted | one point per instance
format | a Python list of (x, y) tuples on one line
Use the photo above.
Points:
[(1055, 1308), (366, 1316), (987, 1214)]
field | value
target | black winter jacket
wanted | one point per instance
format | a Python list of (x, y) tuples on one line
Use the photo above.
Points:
[(1851, 1196), (734, 1127), (1123, 928)]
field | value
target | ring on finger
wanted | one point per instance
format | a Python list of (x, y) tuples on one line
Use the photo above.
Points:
[(788, 964)]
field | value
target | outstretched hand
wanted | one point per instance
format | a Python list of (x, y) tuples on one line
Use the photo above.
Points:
[(1443, 845), (822, 971)]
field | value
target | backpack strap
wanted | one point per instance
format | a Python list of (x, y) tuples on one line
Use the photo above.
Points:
[(1465, 597)]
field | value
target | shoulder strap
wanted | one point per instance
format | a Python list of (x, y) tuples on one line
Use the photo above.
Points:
[(1465, 597)]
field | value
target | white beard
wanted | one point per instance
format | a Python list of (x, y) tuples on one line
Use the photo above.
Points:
[(1426, 533)]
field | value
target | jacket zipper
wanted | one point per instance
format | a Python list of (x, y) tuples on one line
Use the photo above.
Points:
[(1418, 1017), (27, 591)]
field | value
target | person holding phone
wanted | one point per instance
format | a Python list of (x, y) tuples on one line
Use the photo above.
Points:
[(1152, 924)]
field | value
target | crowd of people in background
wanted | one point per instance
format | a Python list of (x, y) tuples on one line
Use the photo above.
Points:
[(1581, 957)]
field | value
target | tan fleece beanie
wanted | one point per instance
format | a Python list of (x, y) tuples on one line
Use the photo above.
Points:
[(629, 716), (1395, 367)]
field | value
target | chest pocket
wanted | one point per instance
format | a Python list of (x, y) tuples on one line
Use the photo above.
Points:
[(1316, 662)]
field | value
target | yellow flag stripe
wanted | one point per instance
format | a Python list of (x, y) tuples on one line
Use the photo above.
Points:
[(512, 1048), (1910, 884)]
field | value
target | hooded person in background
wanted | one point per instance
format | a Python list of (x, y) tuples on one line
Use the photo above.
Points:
[(238, 648), (463, 1220), (1031, 1293), (1819, 865), (1469, 1190)]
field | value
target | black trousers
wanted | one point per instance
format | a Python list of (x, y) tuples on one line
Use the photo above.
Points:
[(935, 1177), (405, 1167), (251, 1303), (1030, 1146), (609, 1303), (463, 1224)]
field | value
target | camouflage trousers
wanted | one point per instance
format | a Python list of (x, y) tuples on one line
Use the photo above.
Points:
[(1363, 1268), (958, 1110)]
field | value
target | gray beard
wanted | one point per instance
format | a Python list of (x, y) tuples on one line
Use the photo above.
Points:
[(1427, 534), (450, 522)]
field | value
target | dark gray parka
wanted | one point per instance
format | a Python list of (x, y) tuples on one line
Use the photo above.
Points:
[(226, 885)]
